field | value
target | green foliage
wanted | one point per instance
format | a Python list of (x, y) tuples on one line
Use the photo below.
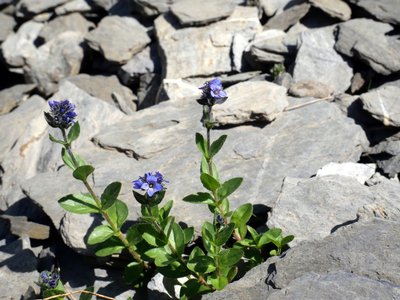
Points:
[(110, 194), (82, 172), (217, 145), (79, 204), (209, 182), (86, 296), (100, 234), (73, 133), (199, 198), (111, 246), (240, 217), (202, 144)]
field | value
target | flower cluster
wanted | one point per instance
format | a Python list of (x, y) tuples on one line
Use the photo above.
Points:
[(61, 114), (150, 182), (49, 279), (213, 93)]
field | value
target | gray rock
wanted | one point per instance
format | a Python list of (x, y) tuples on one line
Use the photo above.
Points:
[(118, 38), (381, 53), (318, 61), (104, 87), (18, 46), (198, 12), (273, 96), (73, 6), (27, 8), (146, 61), (208, 46), (149, 88), (179, 89), (350, 249), (309, 88), (13, 125), (151, 8), (382, 105), (387, 11), (12, 97), (336, 9), (18, 268), (55, 60), (288, 17), (7, 26), (336, 285), (326, 203), (348, 256), (272, 7), (71, 22)]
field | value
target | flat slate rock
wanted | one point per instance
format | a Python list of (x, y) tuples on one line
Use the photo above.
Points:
[(80, 6), (151, 8), (336, 285), (365, 39), (288, 17), (7, 25), (208, 46), (273, 102), (13, 96), (61, 57), (107, 88), (335, 8), (28, 8), (386, 10), (198, 12), (118, 38), (71, 22), (272, 7), (317, 60), (18, 46), (311, 209), (309, 88), (358, 171), (382, 103)]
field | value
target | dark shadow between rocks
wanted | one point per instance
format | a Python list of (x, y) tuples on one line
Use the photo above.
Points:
[(271, 275), (23, 261), (343, 224)]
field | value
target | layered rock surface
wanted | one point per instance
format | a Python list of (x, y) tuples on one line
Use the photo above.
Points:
[(321, 164)]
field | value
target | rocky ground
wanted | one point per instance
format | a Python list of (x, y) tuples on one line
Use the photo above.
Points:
[(313, 117)]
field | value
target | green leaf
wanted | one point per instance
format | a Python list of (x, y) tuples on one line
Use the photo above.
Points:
[(218, 282), (225, 206), (222, 236), (82, 172), (165, 210), (228, 187), (203, 198), (67, 159), (161, 257), (156, 199), (204, 168), (232, 273), (85, 296), (273, 252), (109, 247), (208, 231), (110, 194), (177, 238), (209, 182), (80, 160), (193, 287), (53, 292), (254, 234), (242, 214), (139, 197), (133, 234), (201, 264), (167, 225), (79, 204), (201, 144), (217, 145), (133, 272), (287, 239), (118, 213), (188, 234), (73, 133), (230, 257), (273, 235), (100, 234), (174, 270), (54, 140), (151, 235)]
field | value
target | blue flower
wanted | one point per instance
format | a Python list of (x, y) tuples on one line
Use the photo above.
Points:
[(62, 114), (49, 279), (150, 182), (213, 93)]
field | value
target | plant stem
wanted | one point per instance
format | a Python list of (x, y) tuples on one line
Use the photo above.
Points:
[(118, 232)]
